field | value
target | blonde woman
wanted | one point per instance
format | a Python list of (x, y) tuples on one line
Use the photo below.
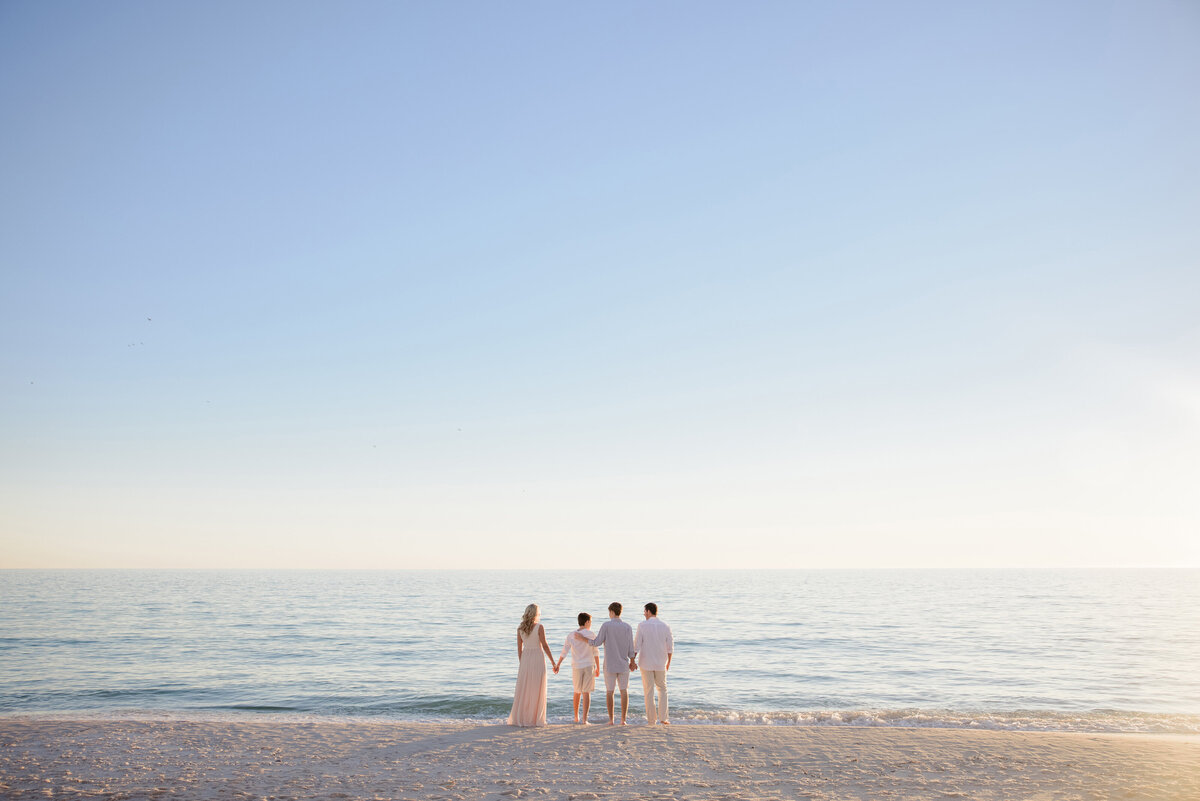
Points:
[(529, 702)]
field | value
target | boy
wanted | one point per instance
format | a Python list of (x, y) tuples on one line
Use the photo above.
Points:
[(585, 663)]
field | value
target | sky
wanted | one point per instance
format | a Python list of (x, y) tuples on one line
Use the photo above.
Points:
[(620, 285)]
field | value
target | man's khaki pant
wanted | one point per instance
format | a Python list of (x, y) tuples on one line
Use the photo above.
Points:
[(650, 680)]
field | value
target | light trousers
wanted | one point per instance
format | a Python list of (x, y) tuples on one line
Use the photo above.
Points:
[(650, 680)]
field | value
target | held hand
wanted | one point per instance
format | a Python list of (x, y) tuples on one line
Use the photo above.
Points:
[(556, 670)]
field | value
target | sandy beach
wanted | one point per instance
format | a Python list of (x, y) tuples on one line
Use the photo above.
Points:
[(126, 759)]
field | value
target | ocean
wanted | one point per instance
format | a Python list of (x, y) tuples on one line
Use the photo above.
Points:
[(1076, 650)]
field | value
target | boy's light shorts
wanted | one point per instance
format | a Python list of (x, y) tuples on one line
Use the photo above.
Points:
[(621, 679), (584, 679)]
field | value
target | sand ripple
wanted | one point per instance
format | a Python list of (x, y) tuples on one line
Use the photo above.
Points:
[(131, 759)]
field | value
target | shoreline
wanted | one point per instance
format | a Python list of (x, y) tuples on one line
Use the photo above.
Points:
[(460, 760), (1185, 725)]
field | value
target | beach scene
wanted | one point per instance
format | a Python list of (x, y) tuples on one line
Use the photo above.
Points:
[(672, 402)]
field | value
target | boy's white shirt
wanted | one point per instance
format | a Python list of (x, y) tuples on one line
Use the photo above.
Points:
[(583, 655)]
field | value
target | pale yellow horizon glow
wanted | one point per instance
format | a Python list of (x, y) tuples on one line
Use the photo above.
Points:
[(611, 525)]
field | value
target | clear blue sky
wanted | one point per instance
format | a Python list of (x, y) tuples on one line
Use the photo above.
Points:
[(670, 284)]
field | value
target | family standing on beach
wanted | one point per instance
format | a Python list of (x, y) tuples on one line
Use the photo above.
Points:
[(652, 646)]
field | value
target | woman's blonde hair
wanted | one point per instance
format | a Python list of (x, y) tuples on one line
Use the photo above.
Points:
[(531, 613)]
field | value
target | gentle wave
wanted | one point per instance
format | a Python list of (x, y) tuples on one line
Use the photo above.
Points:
[(1099, 721), (1109, 722)]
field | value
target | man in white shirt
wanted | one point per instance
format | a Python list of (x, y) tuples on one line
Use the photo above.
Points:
[(585, 663), (654, 646)]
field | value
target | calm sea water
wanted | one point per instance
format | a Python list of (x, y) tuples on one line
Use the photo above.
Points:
[(1075, 650)]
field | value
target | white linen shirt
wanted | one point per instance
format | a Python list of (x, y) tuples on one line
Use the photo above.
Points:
[(583, 654), (653, 643)]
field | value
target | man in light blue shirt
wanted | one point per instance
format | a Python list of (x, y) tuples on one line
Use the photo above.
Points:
[(617, 638)]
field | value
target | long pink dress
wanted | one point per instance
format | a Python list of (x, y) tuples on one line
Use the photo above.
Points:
[(529, 702)]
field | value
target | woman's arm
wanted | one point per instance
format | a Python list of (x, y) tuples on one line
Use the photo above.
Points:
[(545, 645), (520, 644)]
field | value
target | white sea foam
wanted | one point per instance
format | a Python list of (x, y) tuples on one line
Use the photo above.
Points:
[(1099, 721)]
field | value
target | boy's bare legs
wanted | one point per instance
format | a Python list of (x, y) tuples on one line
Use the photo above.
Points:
[(612, 683), (586, 698), (576, 702)]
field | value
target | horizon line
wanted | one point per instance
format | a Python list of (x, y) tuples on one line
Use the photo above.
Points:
[(616, 570)]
